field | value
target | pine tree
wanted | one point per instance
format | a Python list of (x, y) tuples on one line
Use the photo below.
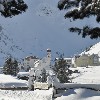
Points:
[(10, 67), (15, 68), (43, 76), (62, 70), (81, 9), (9, 8), (7, 66)]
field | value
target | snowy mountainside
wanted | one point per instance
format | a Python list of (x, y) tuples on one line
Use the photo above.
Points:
[(8, 46), (43, 26), (95, 49)]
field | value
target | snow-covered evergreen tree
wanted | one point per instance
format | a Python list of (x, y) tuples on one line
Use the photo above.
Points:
[(62, 70), (31, 79), (9, 8), (43, 76), (7, 66), (15, 68), (10, 67), (80, 9)]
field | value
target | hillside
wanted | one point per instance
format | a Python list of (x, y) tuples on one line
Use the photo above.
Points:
[(8, 47), (95, 49)]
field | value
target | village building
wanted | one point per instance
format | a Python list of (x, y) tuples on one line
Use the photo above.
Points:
[(41, 66), (21, 67), (29, 61), (87, 60)]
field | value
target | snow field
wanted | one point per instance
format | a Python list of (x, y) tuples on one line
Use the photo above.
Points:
[(26, 95), (71, 94), (89, 75)]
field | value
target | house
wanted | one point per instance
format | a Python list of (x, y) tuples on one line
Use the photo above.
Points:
[(29, 61), (44, 63), (87, 60)]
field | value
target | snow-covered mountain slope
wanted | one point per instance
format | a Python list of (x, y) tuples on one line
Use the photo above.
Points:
[(43, 26), (95, 49), (8, 46)]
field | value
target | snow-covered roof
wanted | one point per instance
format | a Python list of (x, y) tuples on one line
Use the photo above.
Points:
[(31, 57), (65, 58)]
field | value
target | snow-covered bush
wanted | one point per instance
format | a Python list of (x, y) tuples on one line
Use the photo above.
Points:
[(43, 76), (62, 70)]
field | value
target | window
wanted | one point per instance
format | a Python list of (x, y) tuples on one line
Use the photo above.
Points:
[(95, 59), (68, 60)]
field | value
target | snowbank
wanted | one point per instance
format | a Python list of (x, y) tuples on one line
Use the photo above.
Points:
[(79, 94), (10, 81), (26, 95), (71, 94), (77, 85)]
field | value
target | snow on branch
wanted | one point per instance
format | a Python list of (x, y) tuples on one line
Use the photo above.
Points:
[(9, 8)]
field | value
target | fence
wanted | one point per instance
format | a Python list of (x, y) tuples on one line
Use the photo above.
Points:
[(15, 88)]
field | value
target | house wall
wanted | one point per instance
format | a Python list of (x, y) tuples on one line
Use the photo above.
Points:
[(87, 60), (94, 60), (29, 63), (82, 61)]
